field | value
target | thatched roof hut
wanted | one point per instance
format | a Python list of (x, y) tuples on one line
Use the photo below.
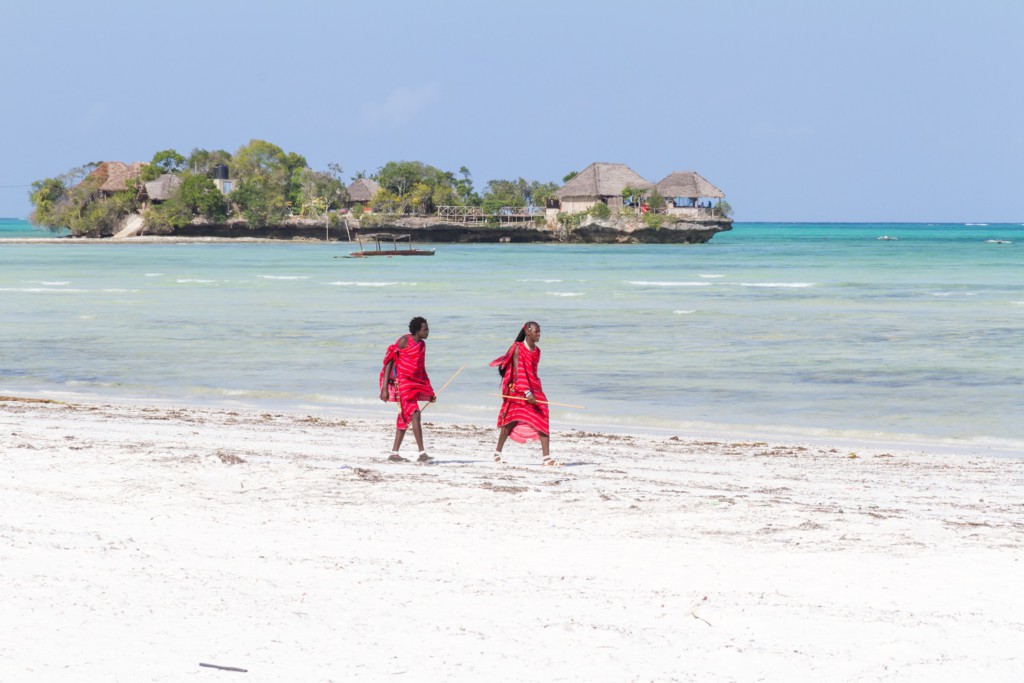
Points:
[(601, 180), (161, 189), (688, 184), (362, 190), (114, 175)]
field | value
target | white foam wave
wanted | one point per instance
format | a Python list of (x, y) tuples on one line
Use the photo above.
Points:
[(792, 285), (119, 291), (187, 280), (566, 293), (711, 276), (349, 283), (153, 274), (666, 283), (54, 284), (285, 277), (531, 279), (37, 290), (683, 312)]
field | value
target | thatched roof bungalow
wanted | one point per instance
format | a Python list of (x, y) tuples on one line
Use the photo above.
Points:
[(114, 176), (362, 191), (599, 182), (161, 189), (683, 191)]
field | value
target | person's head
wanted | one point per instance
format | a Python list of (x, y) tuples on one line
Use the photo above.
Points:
[(418, 327), (531, 330)]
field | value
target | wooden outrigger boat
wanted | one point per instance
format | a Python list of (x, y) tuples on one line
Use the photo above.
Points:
[(395, 250)]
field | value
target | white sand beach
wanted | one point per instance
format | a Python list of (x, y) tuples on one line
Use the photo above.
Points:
[(140, 541)]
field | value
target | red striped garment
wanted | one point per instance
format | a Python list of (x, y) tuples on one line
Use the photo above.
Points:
[(531, 420), (408, 383)]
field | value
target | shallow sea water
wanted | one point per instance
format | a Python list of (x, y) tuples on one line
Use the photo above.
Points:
[(796, 329)]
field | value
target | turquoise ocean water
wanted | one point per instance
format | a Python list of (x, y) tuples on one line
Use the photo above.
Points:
[(816, 330)]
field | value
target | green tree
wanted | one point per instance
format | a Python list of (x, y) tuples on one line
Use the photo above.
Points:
[(463, 189), (633, 196), (279, 171), (200, 197), (320, 192), (400, 178), (569, 176), (261, 200), (196, 196), (502, 193), (49, 198), (168, 161), (258, 157), (74, 201), (655, 200), (540, 193), (385, 201), (203, 161)]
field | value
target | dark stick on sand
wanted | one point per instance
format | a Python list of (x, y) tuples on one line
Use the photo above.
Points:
[(223, 668)]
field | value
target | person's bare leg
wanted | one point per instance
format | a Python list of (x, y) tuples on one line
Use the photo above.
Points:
[(545, 449), (502, 436), (417, 432), (399, 435)]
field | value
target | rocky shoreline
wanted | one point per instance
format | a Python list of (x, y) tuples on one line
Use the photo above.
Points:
[(423, 230)]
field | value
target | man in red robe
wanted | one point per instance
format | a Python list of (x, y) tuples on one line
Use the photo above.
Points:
[(524, 410), (404, 380)]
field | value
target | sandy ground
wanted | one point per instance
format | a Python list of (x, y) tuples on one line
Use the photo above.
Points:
[(137, 542)]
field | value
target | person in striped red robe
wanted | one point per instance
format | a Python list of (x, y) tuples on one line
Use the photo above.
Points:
[(404, 380), (524, 410)]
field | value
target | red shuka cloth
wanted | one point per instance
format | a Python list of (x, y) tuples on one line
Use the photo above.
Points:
[(531, 420), (408, 383)]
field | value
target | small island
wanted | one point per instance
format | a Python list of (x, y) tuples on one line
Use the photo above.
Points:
[(262, 191)]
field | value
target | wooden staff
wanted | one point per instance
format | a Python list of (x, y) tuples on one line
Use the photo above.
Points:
[(444, 387), (550, 403)]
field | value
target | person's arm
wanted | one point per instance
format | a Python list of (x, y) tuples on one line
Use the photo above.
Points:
[(388, 369)]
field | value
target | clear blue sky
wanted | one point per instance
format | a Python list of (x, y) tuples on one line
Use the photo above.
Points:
[(799, 110)]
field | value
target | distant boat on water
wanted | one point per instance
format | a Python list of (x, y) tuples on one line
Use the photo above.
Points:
[(887, 238), (998, 241), (377, 238)]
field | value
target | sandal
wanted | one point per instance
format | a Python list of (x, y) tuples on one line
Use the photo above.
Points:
[(424, 458), (395, 457), (551, 462), (497, 456)]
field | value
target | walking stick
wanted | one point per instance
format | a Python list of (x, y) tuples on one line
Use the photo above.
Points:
[(445, 386), (550, 403)]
